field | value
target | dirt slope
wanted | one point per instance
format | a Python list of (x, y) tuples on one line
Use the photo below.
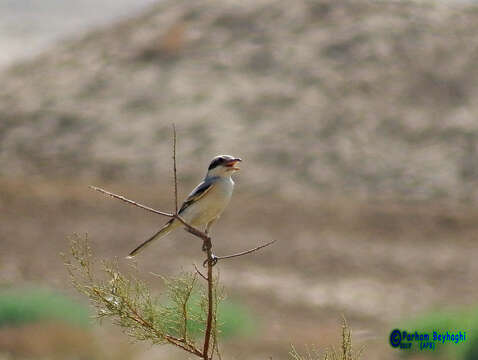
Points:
[(370, 98)]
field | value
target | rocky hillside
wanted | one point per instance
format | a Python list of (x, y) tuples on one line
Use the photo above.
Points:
[(367, 98)]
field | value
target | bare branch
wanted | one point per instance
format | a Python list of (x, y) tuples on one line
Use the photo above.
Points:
[(131, 202), (188, 227), (245, 252), (175, 172)]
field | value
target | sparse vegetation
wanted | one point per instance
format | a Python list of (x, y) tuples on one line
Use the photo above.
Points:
[(179, 320), (128, 302), (345, 352)]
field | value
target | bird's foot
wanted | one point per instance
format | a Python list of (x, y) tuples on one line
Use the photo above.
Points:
[(212, 261)]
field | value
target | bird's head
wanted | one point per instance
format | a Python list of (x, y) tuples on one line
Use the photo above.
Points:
[(223, 165)]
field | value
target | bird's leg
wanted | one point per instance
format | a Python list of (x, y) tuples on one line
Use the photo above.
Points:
[(209, 225), (206, 231), (207, 246)]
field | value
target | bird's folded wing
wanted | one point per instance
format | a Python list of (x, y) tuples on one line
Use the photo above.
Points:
[(198, 192)]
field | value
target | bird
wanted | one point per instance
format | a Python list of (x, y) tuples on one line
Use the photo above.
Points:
[(205, 204)]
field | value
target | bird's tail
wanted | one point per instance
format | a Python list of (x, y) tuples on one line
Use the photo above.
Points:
[(165, 230)]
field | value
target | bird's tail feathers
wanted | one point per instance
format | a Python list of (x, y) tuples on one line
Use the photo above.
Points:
[(165, 230)]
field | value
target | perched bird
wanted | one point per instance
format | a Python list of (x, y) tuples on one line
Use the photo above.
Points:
[(206, 202)]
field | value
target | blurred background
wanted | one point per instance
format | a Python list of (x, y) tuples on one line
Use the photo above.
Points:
[(356, 121)]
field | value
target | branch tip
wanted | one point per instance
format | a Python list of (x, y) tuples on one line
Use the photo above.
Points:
[(131, 202), (245, 252)]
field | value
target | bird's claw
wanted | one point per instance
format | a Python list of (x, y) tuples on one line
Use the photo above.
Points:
[(212, 261)]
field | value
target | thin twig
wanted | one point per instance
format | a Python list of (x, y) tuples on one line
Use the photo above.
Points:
[(245, 252), (189, 227), (192, 229), (200, 273), (131, 202), (215, 345), (175, 172), (185, 310), (208, 246), (184, 344)]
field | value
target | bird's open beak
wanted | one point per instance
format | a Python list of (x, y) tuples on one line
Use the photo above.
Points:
[(232, 164)]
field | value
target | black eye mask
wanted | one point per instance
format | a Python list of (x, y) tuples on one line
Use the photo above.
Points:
[(216, 162)]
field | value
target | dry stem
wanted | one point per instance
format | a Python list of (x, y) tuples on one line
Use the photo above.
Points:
[(210, 280)]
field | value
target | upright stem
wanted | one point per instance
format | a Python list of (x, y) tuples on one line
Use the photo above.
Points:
[(207, 334), (175, 172)]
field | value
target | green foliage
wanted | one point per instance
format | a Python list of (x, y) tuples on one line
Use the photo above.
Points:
[(452, 321), (128, 302), (344, 353), (28, 305), (180, 316)]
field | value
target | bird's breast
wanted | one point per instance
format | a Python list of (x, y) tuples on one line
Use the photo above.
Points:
[(211, 205)]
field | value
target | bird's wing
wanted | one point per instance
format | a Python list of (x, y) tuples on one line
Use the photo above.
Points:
[(198, 192)]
